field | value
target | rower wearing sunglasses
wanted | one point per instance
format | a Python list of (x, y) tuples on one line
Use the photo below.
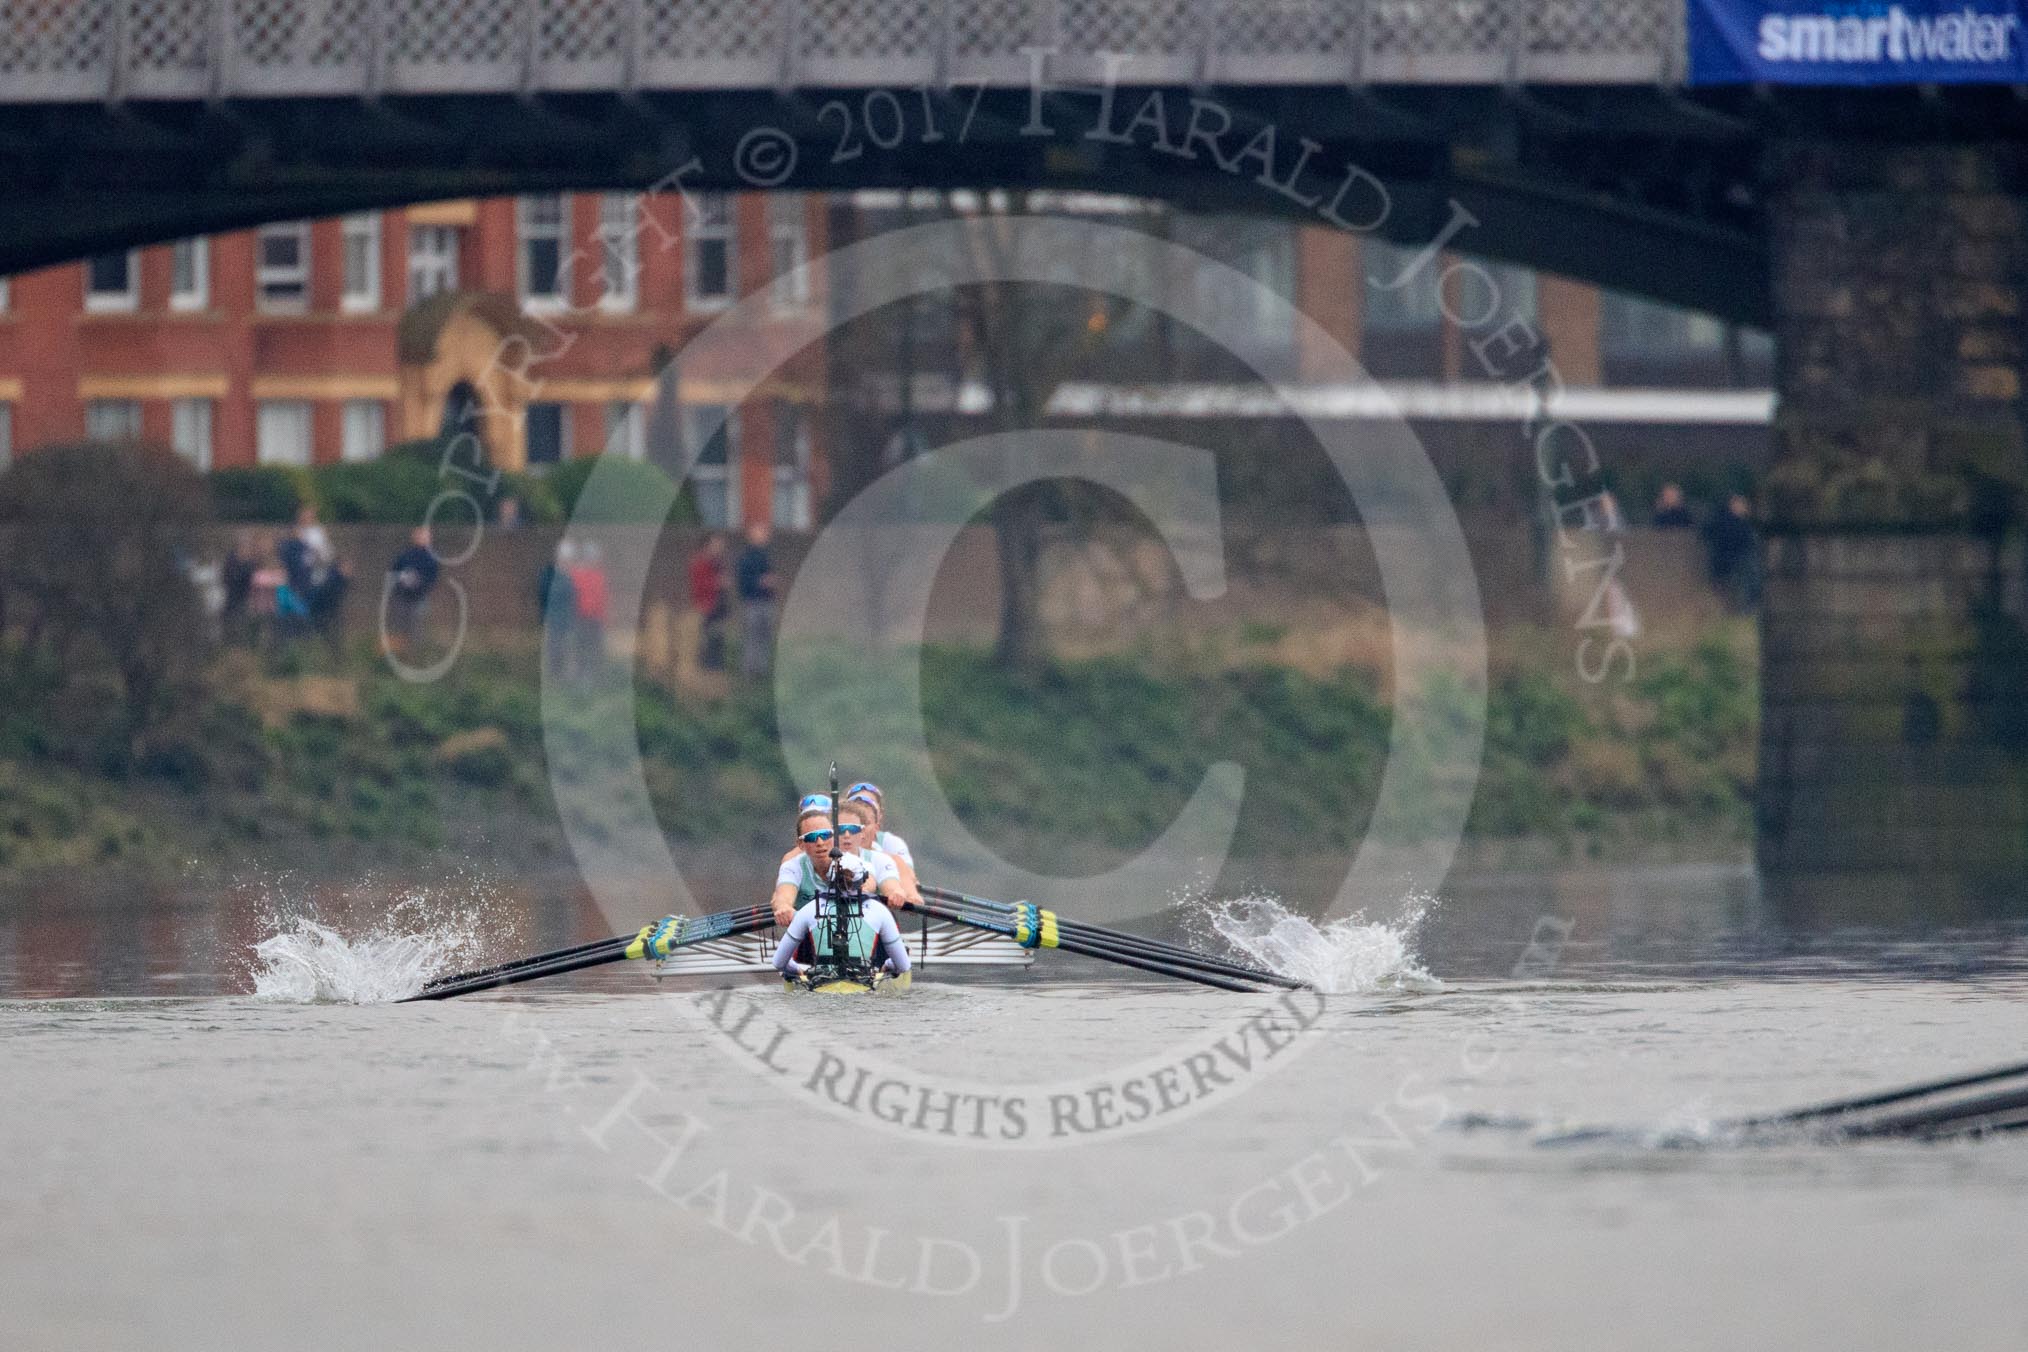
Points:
[(811, 871), (805, 867), (868, 793)]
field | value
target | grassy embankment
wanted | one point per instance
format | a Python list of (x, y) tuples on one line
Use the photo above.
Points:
[(288, 769)]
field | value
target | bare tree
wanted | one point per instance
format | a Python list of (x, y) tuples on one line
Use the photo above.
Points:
[(1027, 339), (94, 545)]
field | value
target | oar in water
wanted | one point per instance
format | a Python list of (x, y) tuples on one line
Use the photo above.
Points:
[(1042, 932), (1132, 943), (656, 940), (1910, 1121)]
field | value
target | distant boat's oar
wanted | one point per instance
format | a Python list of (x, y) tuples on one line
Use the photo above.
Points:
[(1151, 948), (656, 940), (1044, 934), (1840, 1107), (1846, 1107)]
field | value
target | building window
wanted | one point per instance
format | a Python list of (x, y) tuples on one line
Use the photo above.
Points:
[(3, 295), (715, 477), (1402, 327), (626, 431), (792, 467), (543, 238), (113, 281), (6, 434), (113, 419), (432, 261), (190, 430), (789, 249), (1485, 295), (282, 432), (362, 263), (190, 274), (548, 434), (1630, 325), (708, 270), (619, 251), (364, 431), (282, 266)]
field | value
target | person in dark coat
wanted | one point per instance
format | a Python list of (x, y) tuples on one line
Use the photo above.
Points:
[(410, 579), (1732, 545)]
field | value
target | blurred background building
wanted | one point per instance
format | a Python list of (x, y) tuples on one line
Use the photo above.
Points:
[(313, 342)]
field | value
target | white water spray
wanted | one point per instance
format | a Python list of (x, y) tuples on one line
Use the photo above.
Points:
[(1348, 956), (307, 961)]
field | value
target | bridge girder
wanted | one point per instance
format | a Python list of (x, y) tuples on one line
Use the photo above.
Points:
[(1640, 189)]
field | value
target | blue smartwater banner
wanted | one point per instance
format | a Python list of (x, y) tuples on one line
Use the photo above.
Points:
[(1857, 42)]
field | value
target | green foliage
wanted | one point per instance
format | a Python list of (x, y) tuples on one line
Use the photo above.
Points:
[(263, 493), (396, 489), (630, 492)]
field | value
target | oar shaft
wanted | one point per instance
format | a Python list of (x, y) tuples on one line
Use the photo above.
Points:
[(593, 954), (456, 977), (614, 951), (1093, 950), (1153, 948), (1853, 1105)]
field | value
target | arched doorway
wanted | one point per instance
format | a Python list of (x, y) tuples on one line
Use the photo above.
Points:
[(463, 412)]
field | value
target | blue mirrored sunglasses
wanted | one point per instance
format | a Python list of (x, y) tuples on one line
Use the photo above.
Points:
[(812, 837), (811, 800)]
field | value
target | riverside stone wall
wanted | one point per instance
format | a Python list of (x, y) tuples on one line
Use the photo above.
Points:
[(1890, 760)]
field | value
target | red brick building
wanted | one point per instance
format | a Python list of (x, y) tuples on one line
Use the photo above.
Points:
[(320, 341)]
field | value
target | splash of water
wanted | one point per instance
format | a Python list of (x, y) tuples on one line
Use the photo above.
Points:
[(1347, 956), (306, 961)]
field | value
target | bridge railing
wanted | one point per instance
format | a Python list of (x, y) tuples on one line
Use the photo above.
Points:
[(84, 50)]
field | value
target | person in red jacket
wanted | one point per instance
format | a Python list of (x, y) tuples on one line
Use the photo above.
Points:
[(593, 596), (708, 599)]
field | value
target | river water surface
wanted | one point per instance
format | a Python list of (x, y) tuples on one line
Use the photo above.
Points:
[(1063, 1158)]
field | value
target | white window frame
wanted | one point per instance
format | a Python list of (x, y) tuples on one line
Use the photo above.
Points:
[(268, 414), (270, 275), (705, 229), (197, 295), (6, 433), (563, 446), (619, 252), (789, 248), (626, 430), (362, 430), (528, 231), (5, 297), (360, 294), (190, 422), (727, 473), (792, 507), (432, 257), (114, 302), (112, 420)]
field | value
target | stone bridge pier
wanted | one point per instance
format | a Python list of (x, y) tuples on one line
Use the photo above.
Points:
[(1894, 668)]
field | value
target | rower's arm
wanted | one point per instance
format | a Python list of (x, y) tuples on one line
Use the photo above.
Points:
[(784, 902), (891, 944), (785, 951), (910, 892)]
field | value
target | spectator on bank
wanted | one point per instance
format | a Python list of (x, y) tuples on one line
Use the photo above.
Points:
[(589, 587), (410, 579), (236, 576), (313, 594), (508, 516), (708, 599), (754, 578), (1671, 511), (556, 608), (1733, 549)]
